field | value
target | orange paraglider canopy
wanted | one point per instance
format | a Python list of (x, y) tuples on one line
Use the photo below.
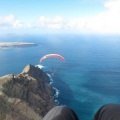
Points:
[(52, 55)]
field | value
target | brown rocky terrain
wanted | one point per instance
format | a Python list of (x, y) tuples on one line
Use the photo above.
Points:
[(26, 96)]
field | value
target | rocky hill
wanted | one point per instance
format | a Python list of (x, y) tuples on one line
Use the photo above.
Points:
[(26, 96)]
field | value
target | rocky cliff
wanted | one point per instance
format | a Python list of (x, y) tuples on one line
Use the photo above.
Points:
[(26, 96)]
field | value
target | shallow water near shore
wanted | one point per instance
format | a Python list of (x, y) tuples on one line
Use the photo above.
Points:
[(89, 77)]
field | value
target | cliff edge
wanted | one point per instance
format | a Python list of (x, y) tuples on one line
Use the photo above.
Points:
[(26, 96)]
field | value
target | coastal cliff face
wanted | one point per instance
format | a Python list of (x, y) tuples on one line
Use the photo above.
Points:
[(26, 96)]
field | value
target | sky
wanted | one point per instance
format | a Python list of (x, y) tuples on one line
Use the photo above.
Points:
[(59, 16)]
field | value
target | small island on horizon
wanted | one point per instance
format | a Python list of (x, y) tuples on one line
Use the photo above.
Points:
[(16, 44)]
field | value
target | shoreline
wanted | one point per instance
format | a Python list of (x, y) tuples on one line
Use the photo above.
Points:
[(16, 44)]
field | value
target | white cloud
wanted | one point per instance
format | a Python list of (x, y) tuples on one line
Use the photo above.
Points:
[(110, 19), (9, 22), (107, 21), (18, 24), (53, 23)]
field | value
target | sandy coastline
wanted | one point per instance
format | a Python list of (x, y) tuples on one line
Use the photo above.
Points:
[(16, 44)]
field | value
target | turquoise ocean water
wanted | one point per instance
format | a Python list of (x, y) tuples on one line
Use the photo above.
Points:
[(89, 77)]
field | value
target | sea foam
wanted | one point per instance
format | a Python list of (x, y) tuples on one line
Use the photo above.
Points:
[(56, 90), (51, 82), (39, 66)]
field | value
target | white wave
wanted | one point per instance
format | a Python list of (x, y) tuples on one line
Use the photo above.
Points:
[(57, 102), (51, 80), (56, 93), (39, 66), (56, 90)]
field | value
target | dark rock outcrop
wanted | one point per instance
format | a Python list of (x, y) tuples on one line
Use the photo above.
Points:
[(26, 96)]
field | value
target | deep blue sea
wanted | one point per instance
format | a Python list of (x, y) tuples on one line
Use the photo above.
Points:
[(90, 75)]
